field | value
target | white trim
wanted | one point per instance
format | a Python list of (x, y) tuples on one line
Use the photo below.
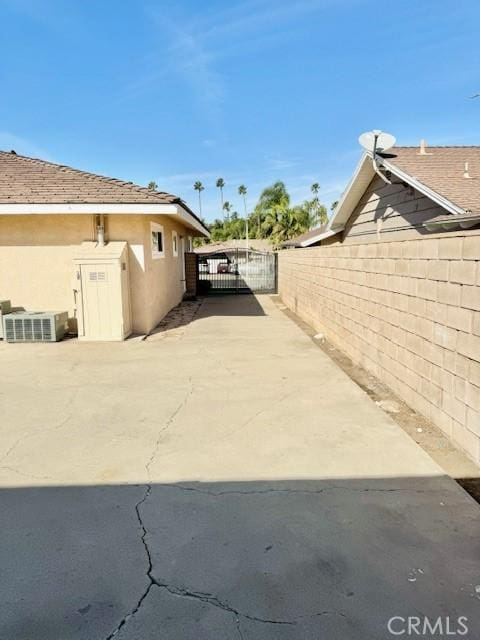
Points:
[(364, 173), (157, 228), (419, 186), (174, 243), (105, 209), (192, 222)]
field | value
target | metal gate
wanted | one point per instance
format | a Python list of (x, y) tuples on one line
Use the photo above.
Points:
[(238, 271)]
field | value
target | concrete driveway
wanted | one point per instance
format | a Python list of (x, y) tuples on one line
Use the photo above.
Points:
[(222, 481)]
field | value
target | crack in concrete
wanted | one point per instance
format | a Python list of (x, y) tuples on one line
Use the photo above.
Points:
[(126, 618), (167, 425), (25, 474), (214, 601), (146, 495), (288, 490), (271, 406), (14, 446)]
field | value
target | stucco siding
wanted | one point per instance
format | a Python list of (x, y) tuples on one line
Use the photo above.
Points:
[(408, 311), (36, 263)]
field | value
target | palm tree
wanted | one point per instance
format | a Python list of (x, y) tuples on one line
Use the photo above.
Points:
[(242, 190), (152, 185), (198, 186), (315, 188), (220, 184), (227, 207), (273, 198)]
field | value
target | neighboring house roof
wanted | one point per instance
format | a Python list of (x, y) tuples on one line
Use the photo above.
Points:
[(31, 181), (309, 237), (450, 176), (442, 169), (218, 247)]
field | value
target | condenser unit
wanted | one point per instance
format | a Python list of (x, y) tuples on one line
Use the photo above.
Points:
[(35, 326), (5, 307)]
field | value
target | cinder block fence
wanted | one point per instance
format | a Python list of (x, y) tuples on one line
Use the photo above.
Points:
[(407, 311)]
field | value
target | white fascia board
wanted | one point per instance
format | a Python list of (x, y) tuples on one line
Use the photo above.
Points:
[(103, 209), (356, 187), (191, 221), (321, 236), (363, 176)]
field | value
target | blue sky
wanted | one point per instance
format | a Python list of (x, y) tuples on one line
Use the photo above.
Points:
[(253, 91)]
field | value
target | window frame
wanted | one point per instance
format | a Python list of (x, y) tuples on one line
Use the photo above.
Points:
[(157, 228), (174, 243)]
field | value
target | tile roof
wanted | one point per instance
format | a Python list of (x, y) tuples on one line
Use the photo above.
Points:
[(442, 169), (25, 180)]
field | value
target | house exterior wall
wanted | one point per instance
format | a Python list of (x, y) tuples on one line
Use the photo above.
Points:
[(36, 263), (407, 311), (390, 211)]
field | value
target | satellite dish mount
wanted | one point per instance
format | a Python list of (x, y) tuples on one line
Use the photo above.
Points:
[(375, 142)]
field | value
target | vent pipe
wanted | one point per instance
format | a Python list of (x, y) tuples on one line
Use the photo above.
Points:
[(101, 231), (423, 147)]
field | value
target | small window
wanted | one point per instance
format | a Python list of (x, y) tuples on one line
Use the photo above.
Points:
[(157, 241), (175, 243)]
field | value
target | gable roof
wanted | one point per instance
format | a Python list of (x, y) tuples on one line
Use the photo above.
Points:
[(438, 174), (442, 169), (31, 181)]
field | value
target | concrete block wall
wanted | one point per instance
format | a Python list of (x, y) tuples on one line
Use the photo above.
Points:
[(408, 311)]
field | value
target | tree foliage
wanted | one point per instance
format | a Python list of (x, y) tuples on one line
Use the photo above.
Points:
[(273, 218)]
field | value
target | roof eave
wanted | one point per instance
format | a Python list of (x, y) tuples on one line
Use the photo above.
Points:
[(445, 203), (321, 236), (174, 209), (362, 177)]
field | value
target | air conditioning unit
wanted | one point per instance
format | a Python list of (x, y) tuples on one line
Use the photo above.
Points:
[(35, 326), (5, 307)]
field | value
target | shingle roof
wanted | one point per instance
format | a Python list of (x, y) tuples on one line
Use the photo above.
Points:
[(25, 180), (442, 169)]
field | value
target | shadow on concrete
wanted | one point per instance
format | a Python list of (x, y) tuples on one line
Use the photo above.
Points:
[(235, 305), (275, 560)]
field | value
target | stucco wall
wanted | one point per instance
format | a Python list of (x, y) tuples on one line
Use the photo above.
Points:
[(408, 311), (36, 268)]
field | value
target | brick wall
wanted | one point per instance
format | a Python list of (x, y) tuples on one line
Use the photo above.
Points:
[(407, 311)]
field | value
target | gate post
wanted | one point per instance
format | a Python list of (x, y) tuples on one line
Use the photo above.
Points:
[(191, 274)]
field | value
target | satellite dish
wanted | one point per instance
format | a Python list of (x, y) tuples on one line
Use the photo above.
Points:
[(376, 140)]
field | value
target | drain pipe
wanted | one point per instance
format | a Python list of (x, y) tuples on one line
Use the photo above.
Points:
[(101, 231)]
